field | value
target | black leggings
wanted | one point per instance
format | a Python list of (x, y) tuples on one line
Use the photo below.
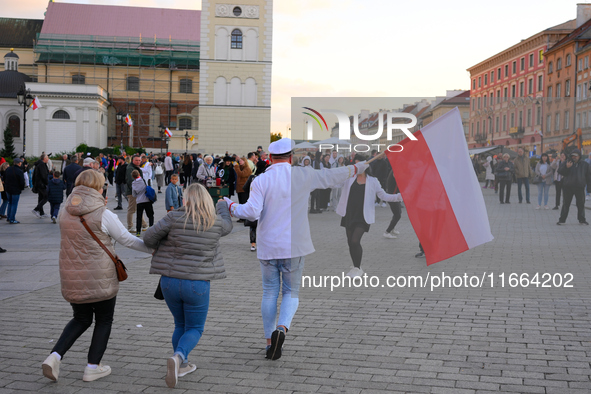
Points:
[(354, 235), (396, 214), (253, 234), (103, 314), (149, 209)]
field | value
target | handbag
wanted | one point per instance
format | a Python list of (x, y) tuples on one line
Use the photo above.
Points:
[(537, 179), (158, 294), (119, 266)]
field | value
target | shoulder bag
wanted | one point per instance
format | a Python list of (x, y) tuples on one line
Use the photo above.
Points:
[(119, 266)]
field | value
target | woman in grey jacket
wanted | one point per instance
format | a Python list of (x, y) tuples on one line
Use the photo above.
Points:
[(188, 257)]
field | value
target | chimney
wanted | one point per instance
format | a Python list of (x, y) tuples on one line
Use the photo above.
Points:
[(583, 13)]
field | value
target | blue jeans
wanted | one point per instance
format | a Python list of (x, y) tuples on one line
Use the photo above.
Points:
[(288, 271), (519, 195), (543, 188), (4, 205), (54, 209), (188, 301), (12, 206)]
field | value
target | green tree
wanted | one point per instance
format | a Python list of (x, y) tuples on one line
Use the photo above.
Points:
[(8, 151), (276, 136)]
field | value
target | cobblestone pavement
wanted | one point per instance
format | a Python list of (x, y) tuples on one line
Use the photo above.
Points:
[(349, 340)]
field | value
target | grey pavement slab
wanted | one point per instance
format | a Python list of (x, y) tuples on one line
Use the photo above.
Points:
[(350, 340)]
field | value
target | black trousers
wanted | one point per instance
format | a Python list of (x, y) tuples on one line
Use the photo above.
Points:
[(579, 195), (558, 185), (396, 214), (103, 314), (167, 177), (41, 200), (242, 197), (502, 186), (315, 200), (149, 209), (354, 235)]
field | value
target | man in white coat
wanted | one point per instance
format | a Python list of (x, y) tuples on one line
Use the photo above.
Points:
[(168, 167), (279, 201)]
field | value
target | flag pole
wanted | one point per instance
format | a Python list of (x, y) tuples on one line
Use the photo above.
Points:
[(376, 157)]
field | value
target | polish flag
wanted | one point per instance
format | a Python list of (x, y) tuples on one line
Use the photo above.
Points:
[(35, 104), (168, 132), (128, 120), (440, 189)]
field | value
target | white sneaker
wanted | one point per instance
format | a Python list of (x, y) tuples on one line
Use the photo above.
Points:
[(395, 232), (173, 364), (384, 205), (546, 207), (377, 204), (253, 248), (93, 374), (538, 207), (51, 367), (389, 235), (36, 213), (186, 370), (354, 272)]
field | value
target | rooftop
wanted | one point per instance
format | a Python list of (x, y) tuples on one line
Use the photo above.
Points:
[(19, 33)]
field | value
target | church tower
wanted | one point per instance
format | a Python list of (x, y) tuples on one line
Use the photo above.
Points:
[(235, 75)]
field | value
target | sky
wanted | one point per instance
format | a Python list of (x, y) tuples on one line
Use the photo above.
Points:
[(374, 48)]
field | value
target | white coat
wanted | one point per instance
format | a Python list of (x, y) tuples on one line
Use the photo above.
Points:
[(279, 200), (372, 189)]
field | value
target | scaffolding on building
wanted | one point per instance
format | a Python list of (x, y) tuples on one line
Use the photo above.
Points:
[(152, 80)]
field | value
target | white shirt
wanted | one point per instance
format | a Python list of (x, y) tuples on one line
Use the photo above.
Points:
[(168, 166), (372, 189), (112, 226), (283, 230), (147, 172)]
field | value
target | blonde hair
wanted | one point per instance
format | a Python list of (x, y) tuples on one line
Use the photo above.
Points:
[(199, 207), (91, 178), (4, 166)]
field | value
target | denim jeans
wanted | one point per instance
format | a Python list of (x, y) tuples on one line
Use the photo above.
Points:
[(54, 209), (288, 271), (12, 206), (543, 188), (120, 189), (4, 205), (188, 301), (521, 181), (103, 312)]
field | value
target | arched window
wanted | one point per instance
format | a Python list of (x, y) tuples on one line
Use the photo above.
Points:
[(60, 114), (14, 123), (559, 64), (550, 67), (133, 84), (220, 91), (186, 86), (185, 123), (567, 60), (236, 39)]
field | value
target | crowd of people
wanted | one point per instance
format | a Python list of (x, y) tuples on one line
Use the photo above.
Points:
[(568, 172)]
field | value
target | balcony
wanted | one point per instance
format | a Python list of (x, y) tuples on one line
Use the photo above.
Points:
[(480, 138), (517, 132)]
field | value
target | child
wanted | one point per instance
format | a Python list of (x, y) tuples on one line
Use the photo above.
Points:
[(138, 190), (174, 194), (55, 194)]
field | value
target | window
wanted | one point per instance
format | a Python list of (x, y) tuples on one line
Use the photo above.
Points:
[(479, 81), (60, 114), (133, 84), (549, 93), (529, 117), (473, 84), (550, 67), (499, 74), (548, 123), (478, 102), (186, 86), (558, 88), (538, 115), (521, 89), (512, 119), (580, 64), (472, 132), (530, 86), (557, 122), (584, 119), (567, 60), (531, 60), (473, 104), (567, 88), (512, 91), (484, 127), (498, 96), (539, 83), (14, 123), (78, 79), (585, 90), (578, 97), (566, 116), (486, 79), (497, 124), (185, 123), (477, 128), (505, 94), (520, 118), (237, 11), (541, 56), (492, 101), (522, 64), (506, 70), (559, 64), (236, 39), (514, 67), (504, 122), (578, 120), (586, 62), (485, 97), (492, 76)]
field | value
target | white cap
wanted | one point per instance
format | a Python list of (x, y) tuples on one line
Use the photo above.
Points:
[(88, 161), (282, 146)]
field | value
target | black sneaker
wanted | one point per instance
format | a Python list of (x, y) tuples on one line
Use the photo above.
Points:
[(277, 338), (420, 254), (502, 202), (528, 202), (559, 223), (584, 222), (507, 202), (117, 208), (2, 250), (555, 208)]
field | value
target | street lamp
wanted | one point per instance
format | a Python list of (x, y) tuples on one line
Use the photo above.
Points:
[(539, 105), (120, 117), (25, 99), (490, 130), (161, 130), (186, 142)]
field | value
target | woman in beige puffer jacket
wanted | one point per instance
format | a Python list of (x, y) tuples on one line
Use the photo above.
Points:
[(87, 273)]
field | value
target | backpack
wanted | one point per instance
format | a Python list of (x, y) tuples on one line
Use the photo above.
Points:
[(159, 170), (151, 193)]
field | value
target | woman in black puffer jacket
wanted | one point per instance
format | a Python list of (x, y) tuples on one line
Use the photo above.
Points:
[(188, 257)]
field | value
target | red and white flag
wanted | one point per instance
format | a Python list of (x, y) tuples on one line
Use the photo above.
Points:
[(168, 132), (128, 120), (440, 190), (35, 104)]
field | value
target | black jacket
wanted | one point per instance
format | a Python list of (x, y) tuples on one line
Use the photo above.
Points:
[(14, 180), (40, 175), (70, 176), (55, 189), (120, 174), (503, 175), (577, 176)]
